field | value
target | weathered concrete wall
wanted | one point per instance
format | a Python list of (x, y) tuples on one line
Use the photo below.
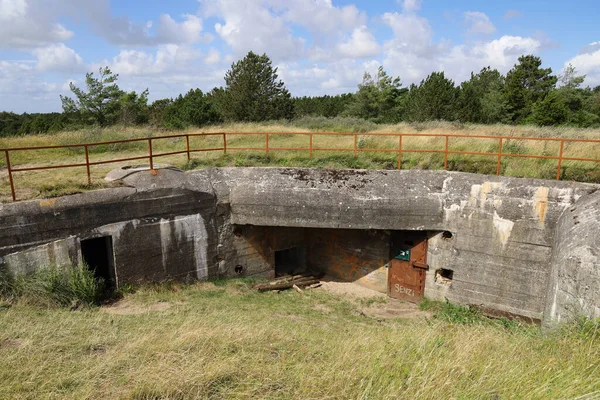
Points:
[(503, 228), (56, 253), (183, 225), (574, 284), (164, 232)]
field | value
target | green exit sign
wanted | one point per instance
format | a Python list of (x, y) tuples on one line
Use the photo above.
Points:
[(403, 255)]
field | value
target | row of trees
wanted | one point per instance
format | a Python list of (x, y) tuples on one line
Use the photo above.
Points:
[(528, 94)]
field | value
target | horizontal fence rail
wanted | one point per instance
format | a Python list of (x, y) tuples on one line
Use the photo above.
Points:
[(400, 150)]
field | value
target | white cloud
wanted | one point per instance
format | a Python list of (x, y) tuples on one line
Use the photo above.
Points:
[(587, 62), (362, 44), (250, 25), (58, 57), (266, 26), (213, 56), (412, 43), (188, 31), (169, 58), (33, 23), (22, 89), (24, 24), (479, 23), (12, 9), (122, 31), (320, 16), (412, 53), (411, 5)]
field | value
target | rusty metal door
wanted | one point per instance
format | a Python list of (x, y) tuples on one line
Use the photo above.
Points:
[(406, 276)]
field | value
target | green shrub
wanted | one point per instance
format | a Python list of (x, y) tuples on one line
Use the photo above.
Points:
[(456, 314), (55, 286), (7, 283), (582, 328)]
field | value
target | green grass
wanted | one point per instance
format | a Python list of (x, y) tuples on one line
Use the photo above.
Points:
[(224, 340), (54, 286), (49, 183)]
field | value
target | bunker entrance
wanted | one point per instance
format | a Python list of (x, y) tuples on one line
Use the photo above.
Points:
[(290, 261), (392, 262), (98, 257)]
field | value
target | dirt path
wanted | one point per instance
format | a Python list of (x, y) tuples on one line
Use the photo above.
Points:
[(383, 306)]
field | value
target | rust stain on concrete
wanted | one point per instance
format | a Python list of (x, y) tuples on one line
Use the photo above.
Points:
[(479, 193), (541, 203), (47, 202)]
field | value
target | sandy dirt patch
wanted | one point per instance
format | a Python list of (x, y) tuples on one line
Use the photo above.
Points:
[(125, 307), (351, 289)]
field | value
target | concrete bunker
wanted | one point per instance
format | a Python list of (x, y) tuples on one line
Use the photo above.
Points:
[(504, 244)]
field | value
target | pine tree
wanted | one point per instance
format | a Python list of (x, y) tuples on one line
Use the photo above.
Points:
[(378, 99), (101, 103), (526, 84), (253, 91), (434, 99)]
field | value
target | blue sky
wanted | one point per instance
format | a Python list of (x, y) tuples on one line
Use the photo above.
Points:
[(319, 46)]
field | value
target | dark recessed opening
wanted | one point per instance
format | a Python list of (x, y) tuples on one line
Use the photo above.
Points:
[(290, 261), (447, 235), (444, 276), (98, 257), (238, 232)]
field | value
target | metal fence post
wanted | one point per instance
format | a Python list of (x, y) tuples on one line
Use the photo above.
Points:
[(10, 177), (187, 146), (87, 165), (560, 157), (446, 154), (499, 165), (267, 143), (399, 151), (150, 154)]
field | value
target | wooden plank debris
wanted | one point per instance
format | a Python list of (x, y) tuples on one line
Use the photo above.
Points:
[(296, 282), (297, 289)]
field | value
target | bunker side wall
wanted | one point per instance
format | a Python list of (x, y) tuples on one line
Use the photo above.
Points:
[(156, 235), (573, 287)]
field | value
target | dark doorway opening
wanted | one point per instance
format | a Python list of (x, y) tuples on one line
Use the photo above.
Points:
[(290, 261), (98, 256), (444, 276)]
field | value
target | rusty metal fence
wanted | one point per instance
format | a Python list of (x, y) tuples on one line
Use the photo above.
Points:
[(151, 156)]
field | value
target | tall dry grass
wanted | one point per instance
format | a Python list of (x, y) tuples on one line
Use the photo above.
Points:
[(226, 341)]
